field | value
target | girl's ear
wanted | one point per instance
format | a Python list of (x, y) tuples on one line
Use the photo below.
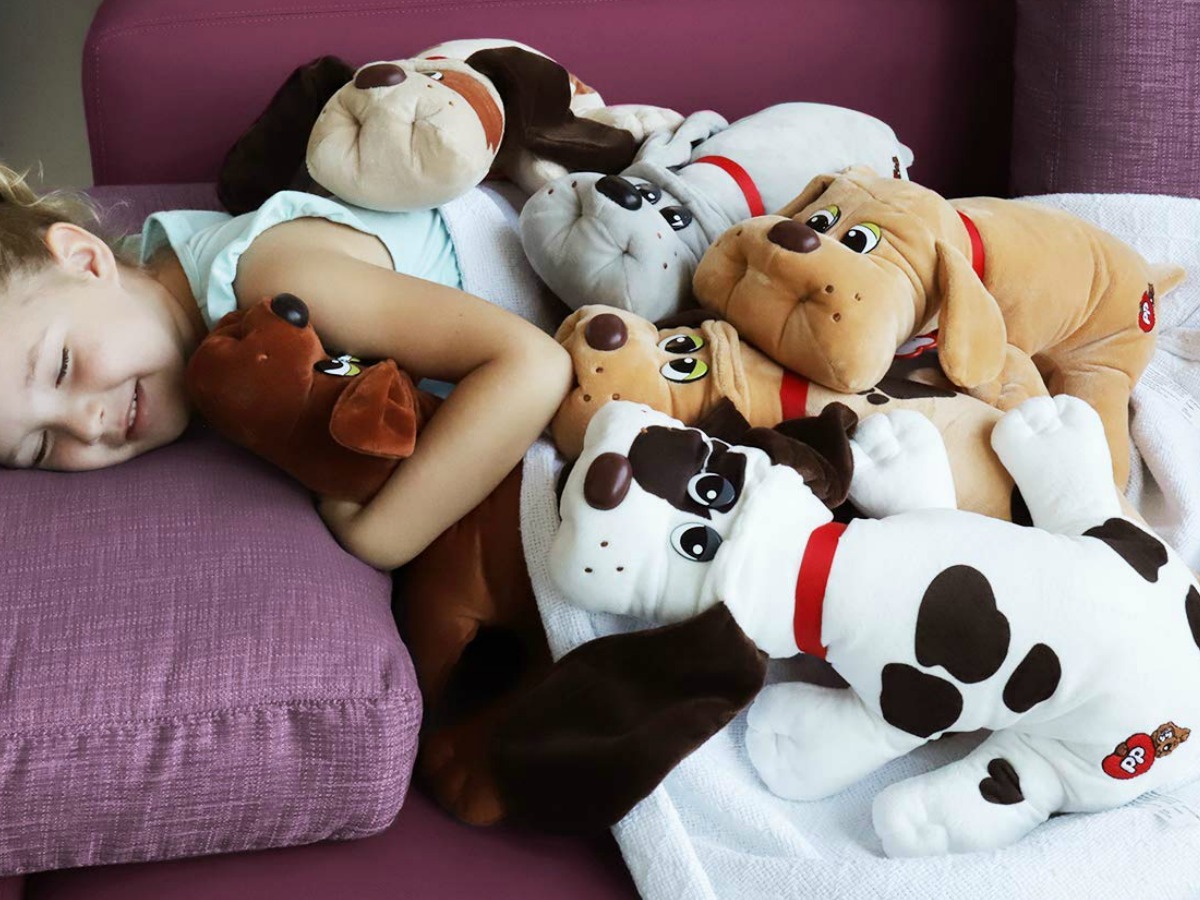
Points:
[(613, 717), (79, 252)]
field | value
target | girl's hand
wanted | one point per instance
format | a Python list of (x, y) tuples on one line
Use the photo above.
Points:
[(339, 516)]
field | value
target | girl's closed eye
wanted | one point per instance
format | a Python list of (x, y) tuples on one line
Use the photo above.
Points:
[(63, 368)]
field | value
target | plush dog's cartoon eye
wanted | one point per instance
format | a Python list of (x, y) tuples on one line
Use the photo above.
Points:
[(696, 542), (824, 219), (711, 490), (681, 343), (863, 238), (677, 217), (344, 366), (685, 370), (651, 192), (436, 76)]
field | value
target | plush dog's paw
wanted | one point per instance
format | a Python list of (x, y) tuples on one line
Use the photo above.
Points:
[(902, 821), (900, 464), (639, 120), (788, 745), (1052, 434)]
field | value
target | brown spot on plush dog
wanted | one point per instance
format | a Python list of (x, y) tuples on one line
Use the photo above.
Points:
[(917, 703), (959, 627), (1191, 605), (1002, 785), (1034, 680), (1144, 553)]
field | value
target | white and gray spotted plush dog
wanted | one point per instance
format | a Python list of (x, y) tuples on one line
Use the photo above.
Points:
[(1077, 641)]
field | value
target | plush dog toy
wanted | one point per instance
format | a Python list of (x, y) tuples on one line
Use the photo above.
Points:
[(1077, 642), (859, 264), (687, 370), (419, 132), (340, 426), (633, 240)]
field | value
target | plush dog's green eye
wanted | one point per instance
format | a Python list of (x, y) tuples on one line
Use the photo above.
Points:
[(681, 343), (685, 370), (863, 238), (824, 219)]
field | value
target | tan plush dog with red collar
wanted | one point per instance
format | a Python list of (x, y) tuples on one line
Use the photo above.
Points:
[(1024, 297), (686, 369)]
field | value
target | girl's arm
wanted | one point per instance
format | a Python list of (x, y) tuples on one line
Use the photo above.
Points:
[(511, 377)]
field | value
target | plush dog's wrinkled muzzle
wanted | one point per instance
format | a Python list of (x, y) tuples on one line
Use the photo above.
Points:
[(803, 297)]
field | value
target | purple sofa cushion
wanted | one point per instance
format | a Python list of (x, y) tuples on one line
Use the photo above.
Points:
[(190, 663), (1105, 97)]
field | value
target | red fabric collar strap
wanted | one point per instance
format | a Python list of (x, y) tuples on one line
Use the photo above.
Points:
[(793, 396), (744, 182), (810, 587), (976, 244)]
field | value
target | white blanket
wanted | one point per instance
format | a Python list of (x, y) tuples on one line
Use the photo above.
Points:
[(712, 830)]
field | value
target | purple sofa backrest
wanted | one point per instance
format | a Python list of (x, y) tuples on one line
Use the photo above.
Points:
[(164, 102)]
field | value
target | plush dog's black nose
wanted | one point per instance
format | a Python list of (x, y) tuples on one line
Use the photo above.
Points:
[(795, 236), (379, 75), (607, 481), (606, 332), (290, 308), (619, 191)]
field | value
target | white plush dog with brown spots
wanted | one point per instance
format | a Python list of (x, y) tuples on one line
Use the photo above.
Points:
[(1077, 641)]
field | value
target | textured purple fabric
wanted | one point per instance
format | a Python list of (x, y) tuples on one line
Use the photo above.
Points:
[(425, 855), (168, 84), (1107, 97), (191, 665)]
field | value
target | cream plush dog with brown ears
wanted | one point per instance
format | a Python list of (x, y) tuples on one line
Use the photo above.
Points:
[(1024, 297)]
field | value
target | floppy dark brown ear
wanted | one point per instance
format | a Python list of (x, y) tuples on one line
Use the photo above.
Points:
[(537, 108), (724, 422), (689, 318), (614, 716), (269, 157), (818, 447)]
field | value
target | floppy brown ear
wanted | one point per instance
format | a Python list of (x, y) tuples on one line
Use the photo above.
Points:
[(613, 717), (971, 333), (537, 108), (818, 447), (269, 157), (377, 414)]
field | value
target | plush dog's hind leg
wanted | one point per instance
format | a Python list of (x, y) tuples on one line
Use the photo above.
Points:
[(1056, 452), (991, 798), (809, 742)]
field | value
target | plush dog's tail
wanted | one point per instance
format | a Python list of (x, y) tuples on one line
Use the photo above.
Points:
[(1166, 277)]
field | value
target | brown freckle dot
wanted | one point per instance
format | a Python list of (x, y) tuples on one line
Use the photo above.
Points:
[(587, 570), (620, 568), (829, 288), (616, 396), (449, 102), (587, 398), (739, 233), (573, 183), (837, 317), (604, 543), (599, 369), (659, 233), (664, 265), (551, 191)]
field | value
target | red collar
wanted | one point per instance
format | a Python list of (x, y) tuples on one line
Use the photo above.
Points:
[(810, 587), (793, 396), (976, 244), (744, 182)]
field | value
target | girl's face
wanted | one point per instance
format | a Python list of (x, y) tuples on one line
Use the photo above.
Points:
[(91, 361)]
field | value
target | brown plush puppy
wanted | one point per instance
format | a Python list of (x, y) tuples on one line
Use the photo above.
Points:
[(1024, 297), (686, 370)]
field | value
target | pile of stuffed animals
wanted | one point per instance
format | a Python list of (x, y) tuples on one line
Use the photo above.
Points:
[(817, 409)]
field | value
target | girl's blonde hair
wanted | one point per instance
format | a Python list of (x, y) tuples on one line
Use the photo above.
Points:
[(25, 215)]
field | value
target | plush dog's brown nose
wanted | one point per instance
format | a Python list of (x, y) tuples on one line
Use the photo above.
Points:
[(606, 332), (607, 481), (795, 236), (379, 75)]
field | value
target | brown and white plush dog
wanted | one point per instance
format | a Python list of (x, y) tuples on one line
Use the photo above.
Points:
[(859, 264), (687, 370)]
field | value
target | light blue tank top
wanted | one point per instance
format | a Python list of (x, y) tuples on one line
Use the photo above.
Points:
[(209, 243)]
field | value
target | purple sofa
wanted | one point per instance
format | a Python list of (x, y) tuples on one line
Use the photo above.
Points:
[(168, 85)]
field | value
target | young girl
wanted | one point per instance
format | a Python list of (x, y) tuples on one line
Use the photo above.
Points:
[(96, 342)]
